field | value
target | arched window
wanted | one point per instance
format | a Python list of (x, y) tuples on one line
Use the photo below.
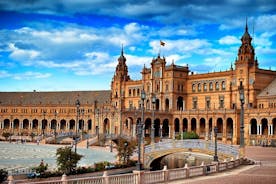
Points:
[(205, 87), (199, 87), (211, 86), (217, 86), (193, 87), (223, 85)]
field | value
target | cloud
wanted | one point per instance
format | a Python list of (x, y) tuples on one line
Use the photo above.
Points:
[(229, 40), (161, 11), (24, 76), (22, 54)]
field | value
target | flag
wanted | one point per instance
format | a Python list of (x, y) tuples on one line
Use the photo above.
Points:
[(162, 43)]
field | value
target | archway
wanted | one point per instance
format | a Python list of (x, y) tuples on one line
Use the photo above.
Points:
[(167, 104), (157, 128), (264, 126), (6, 124), (62, 124), (253, 126), (229, 129), (185, 125), (176, 125), (44, 125), (210, 129), (274, 126), (193, 125), (54, 124), (157, 105), (220, 127), (35, 124), (72, 124), (16, 124), (106, 126), (89, 124), (165, 128), (202, 127), (147, 127), (25, 124), (180, 103)]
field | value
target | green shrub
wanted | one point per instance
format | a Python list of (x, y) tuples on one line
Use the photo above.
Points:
[(190, 135), (3, 175)]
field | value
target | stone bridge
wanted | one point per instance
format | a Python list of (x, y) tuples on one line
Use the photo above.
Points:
[(170, 146)]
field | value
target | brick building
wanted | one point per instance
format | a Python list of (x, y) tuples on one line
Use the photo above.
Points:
[(183, 101)]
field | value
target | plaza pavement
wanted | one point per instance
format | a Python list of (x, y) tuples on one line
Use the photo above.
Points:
[(264, 172)]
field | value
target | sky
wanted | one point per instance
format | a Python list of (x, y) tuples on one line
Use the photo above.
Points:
[(73, 45)]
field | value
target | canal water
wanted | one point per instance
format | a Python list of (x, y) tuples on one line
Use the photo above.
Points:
[(178, 160), (17, 155)]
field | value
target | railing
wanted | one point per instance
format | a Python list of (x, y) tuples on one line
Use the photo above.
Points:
[(153, 177), (194, 144), (148, 177), (19, 171)]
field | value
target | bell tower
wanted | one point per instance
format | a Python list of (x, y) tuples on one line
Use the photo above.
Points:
[(246, 54), (119, 80)]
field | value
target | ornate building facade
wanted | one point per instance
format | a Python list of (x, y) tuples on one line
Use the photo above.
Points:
[(176, 101)]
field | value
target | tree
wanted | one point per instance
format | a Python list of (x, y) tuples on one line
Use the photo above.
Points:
[(67, 159), (125, 150), (6, 135), (3, 175)]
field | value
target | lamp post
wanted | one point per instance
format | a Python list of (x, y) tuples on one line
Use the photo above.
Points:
[(140, 127), (55, 127), (77, 123), (241, 91), (82, 122), (43, 123), (125, 151), (153, 101), (97, 127), (216, 149)]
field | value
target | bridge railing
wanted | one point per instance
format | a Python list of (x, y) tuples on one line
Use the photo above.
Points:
[(194, 144), (149, 177)]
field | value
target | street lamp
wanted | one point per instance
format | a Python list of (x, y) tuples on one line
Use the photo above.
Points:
[(140, 133), (216, 149), (55, 127), (77, 122), (82, 123), (97, 127), (153, 100), (125, 151), (241, 91), (43, 123)]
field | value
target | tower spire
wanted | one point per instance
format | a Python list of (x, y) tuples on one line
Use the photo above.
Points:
[(246, 27), (122, 50)]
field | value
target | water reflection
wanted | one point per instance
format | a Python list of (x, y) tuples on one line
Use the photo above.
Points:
[(178, 160), (14, 155)]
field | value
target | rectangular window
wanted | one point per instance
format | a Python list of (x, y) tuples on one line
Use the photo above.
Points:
[(194, 102), (208, 102), (221, 101)]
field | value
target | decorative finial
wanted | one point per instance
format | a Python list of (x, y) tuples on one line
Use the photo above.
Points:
[(122, 51), (246, 27)]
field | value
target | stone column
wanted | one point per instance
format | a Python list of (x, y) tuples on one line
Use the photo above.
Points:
[(272, 133), (261, 133), (170, 136), (224, 132), (189, 125), (206, 131)]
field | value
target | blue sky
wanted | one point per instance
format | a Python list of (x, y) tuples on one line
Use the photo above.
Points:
[(69, 45)]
